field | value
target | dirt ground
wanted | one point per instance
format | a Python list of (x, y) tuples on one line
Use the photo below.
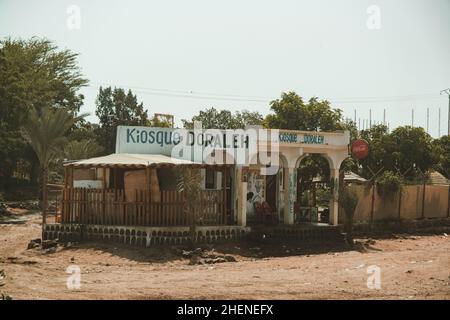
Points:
[(412, 267)]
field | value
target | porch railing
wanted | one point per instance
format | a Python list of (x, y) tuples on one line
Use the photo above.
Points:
[(111, 207)]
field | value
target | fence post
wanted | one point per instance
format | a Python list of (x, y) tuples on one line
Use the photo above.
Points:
[(372, 209), (423, 199), (224, 195)]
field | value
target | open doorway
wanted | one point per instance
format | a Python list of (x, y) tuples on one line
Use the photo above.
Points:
[(313, 190)]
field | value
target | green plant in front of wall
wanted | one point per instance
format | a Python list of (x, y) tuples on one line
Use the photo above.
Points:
[(388, 184), (189, 182), (348, 200)]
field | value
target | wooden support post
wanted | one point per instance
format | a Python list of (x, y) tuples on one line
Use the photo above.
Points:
[(224, 194), (71, 177), (148, 195), (372, 208), (103, 195), (66, 173)]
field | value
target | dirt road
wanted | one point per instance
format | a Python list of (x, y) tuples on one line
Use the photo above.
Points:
[(412, 267)]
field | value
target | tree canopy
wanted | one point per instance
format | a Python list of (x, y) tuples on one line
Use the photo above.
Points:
[(441, 149), (33, 74), (224, 119), (290, 112), (114, 107)]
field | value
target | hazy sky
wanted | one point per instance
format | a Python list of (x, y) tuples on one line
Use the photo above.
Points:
[(182, 56)]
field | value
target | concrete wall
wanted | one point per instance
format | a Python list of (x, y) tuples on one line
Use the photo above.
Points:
[(435, 206)]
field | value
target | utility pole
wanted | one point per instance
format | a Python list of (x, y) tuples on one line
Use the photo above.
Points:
[(439, 124), (412, 117), (447, 92), (428, 120), (384, 116), (370, 118)]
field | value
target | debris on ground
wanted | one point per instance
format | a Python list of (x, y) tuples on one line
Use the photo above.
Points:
[(47, 244), (3, 209), (199, 256), (28, 205), (34, 243), (50, 250)]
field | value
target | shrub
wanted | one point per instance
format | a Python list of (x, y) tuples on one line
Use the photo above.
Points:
[(389, 184), (348, 199)]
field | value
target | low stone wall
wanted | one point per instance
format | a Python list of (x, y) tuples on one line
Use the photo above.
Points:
[(403, 226), (63, 232), (297, 232), (143, 236)]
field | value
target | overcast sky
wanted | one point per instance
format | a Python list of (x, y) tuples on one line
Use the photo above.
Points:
[(183, 56)]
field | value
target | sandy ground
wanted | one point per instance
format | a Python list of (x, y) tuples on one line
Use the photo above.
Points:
[(412, 267)]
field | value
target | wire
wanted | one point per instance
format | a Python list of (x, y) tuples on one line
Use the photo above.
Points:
[(261, 99)]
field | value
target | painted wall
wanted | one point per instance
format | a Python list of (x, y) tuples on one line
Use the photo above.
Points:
[(436, 204), (256, 188)]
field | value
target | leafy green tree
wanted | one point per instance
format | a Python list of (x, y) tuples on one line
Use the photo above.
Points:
[(114, 107), (290, 112), (83, 130), (224, 119), (441, 148), (412, 150), (33, 74), (406, 150), (45, 131), (380, 151)]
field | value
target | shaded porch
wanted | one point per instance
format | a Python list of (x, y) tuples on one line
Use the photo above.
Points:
[(140, 190)]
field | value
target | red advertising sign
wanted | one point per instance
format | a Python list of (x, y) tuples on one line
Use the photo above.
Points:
[(360, 149)]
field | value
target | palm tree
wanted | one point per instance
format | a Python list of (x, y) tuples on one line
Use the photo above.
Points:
[(45, 131), (83, 149)]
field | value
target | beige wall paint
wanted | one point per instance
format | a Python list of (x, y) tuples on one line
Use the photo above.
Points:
[(436, 204)]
